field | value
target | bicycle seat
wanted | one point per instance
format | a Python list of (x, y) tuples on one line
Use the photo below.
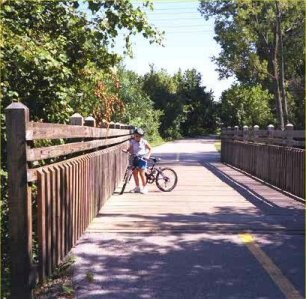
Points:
[(154, 159)]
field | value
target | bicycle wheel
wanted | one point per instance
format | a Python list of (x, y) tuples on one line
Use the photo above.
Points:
[(126, 179), (166, 179)]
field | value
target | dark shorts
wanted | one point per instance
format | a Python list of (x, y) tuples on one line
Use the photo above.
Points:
[(140, 163)]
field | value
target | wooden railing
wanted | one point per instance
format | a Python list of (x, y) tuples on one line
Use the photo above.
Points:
[(288, 137), (56, 200), (275, 156)]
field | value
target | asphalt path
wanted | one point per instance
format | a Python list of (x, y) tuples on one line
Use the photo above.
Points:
[(218, 234)]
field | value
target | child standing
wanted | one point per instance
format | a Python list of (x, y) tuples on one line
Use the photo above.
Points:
[(140, 149)]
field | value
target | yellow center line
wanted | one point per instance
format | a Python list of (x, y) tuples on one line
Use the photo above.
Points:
[(275, 273)]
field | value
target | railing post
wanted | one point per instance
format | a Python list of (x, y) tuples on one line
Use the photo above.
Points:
[(255, 131), (270, 133), (19, 202), (76, 119), (112, 125), (245, 133), (236, 129), (289, 134), (228, 132), (89, 121)]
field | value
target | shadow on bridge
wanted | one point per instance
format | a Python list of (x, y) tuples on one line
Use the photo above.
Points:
[(200, 261), (145, 254)]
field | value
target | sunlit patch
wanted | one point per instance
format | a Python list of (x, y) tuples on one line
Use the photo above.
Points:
[(247, 238)]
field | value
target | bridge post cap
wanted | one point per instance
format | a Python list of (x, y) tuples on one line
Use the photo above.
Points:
[(16, 105), (256, 127), (17, 108), (76, 115), (236, 127), (245, 128), (270, 127), (89, 118), (76, 119), (89, 121), (289, 126)]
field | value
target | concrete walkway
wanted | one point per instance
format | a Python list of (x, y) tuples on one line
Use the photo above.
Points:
[(194, 242)]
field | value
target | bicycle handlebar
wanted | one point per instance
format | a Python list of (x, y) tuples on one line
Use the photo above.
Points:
[(154, 159)]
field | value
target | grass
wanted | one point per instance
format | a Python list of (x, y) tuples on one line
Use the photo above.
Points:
[(218, 146), (157, 142), (60, 285)]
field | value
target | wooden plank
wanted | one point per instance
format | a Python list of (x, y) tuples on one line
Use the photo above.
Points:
[(62, 208), (298, 134), (79, 171), (41, 225), (70, 207), (36, 154), (94, 187), (83, 196), (58, 214), (53, 200), (31, 173), (91, 187), (36, 131), (20, 215), (85, 193), (72, 202), (66, 206), (48, 221), (75, 201)]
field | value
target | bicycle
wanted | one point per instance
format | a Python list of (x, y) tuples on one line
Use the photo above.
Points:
[(165, 178)]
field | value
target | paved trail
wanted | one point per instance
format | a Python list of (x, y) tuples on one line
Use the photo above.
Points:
[(219, 234)]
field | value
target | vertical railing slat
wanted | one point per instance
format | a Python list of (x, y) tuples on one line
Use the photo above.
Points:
[(41, 222)]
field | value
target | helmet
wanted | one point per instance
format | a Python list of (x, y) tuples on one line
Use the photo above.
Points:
[(139, 131)]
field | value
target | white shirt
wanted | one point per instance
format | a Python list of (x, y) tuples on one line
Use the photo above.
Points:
[(139, 148)]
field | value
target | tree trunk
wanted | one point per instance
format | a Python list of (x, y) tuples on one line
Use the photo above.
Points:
[(276, 80), (282, 70)]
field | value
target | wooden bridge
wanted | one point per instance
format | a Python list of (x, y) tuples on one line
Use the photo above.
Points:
[(190, 243)]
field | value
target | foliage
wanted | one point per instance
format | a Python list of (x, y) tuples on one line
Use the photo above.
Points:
[(199, 106), (139, 108), (260, 39), (188, 109), (243, 105), (53, 58), (109, 102), (60, 284), (161, 88)]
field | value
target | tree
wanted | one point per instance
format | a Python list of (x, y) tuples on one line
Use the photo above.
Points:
[(243, 105), (139, 108), (162, 90), (52, 59), (187, 108), (198, 105), (262, 43)]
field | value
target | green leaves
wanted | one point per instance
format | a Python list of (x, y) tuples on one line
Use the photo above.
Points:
[(251, 45), (243, 105)]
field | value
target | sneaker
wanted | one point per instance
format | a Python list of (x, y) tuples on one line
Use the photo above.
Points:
[(144, 190), (135, 190)]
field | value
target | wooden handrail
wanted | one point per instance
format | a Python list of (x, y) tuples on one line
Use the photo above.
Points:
[(288, 137), (36, 154), (37, 131)]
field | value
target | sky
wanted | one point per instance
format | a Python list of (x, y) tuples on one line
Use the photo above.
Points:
[(188, 44)]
